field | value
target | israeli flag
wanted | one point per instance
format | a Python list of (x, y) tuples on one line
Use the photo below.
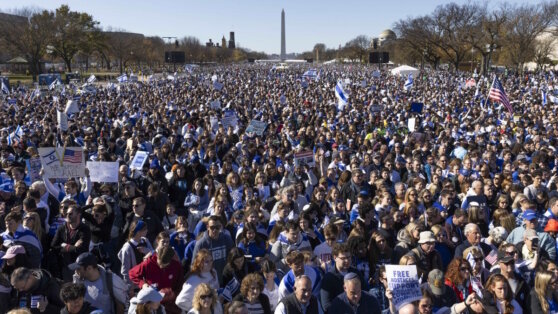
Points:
[(5, 89), (409, 83), (543, 97), (53, 84), (477, 93), (340, 92), (122, 78), (36, 93), (311, 74), (91, 79), (63, 92)]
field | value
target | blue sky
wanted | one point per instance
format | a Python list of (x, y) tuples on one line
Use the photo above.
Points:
[(256, 23)]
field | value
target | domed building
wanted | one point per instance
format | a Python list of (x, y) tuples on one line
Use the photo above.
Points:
[(386, 35)]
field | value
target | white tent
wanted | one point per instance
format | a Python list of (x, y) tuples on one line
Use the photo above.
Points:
[(405, 70)]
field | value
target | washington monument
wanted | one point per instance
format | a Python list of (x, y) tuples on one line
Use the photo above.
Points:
[(283, 47)]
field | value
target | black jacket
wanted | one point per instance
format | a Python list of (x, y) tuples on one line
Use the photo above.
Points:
[(70, 253), (367, 304), (154, 225), (332, 286), (47, 286), (85, 309)]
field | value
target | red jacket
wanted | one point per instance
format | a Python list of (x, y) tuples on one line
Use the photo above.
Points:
[(168, 280)]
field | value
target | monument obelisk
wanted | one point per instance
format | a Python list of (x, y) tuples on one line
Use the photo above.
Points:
[(283, 47)]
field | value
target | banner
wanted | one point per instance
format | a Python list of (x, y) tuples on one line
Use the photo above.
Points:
[(103, 171), (403, 283), (304, 158), (34, 168), (257, 127), (62, 120), (62, 162), (139, 159)]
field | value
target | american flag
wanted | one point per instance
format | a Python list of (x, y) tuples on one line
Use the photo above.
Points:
[(498, 94), (492, 257), (72, 156)]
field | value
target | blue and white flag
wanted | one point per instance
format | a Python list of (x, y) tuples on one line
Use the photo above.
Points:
[(54, 84), (122, 78), (543, 97), (5, 89), (218, 86), (35, 93), (340, 92), (409, 83), (311, 74), (91, 79)]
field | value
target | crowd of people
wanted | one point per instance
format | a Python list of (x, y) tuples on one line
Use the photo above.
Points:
[(227, 218)]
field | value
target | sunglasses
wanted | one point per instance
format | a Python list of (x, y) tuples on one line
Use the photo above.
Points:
[(206, 296), (214, 227), (464, 269)]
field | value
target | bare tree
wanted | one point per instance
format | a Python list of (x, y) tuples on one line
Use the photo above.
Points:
[(122, 46), (525, 23), (319, 50), (357, 48), (543, 48), (28, 34)]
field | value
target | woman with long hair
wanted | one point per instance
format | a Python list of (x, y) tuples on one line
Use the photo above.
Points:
[(543, 298), (201, 272), (205, 301), (251, 242), (498, 296), (458, 278), (236, 268)]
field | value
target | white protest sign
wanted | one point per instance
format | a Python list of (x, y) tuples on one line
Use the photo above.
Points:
[(71, 107), (62, 120), (305, 158), (214, 123), (257, 127), (103, 171), (229, 119), (62, 162), (411, 124), (139, 159), (403, 283)]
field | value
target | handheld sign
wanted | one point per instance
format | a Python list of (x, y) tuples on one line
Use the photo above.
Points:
[(417, 107), (101, 171), (139, 159), (62, 120), (71, 107), (411, 124), (257, 127), (229, 119), (60, 162), (403, 283), (34, 168), (305, 158)]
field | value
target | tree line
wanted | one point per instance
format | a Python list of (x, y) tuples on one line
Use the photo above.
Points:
[(67, 36)]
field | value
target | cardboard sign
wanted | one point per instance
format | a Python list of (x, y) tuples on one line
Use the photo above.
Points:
[(139, 159), (34, 168), (305, 158), (103, 171), (62, 120), (229, 119), (60, 162), (257, 127), (411, 124), (404, 285)]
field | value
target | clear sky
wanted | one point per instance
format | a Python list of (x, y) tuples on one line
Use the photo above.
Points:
[(256, 23)]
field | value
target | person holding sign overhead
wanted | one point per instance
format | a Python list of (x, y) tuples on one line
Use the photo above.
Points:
[(71, 189)]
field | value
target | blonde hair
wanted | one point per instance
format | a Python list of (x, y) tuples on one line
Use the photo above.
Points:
[(37, 228), (406, 258), (542, 282), (203, 289)]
